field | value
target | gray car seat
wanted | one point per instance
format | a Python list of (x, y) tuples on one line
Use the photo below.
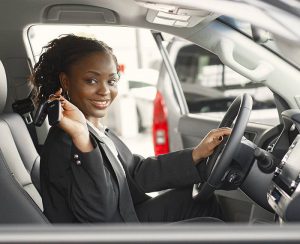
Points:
[(19, 168)]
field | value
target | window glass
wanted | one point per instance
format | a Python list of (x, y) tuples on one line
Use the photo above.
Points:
[(210, 86)]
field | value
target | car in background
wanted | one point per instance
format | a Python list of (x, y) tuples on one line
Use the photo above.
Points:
[(142, 86)]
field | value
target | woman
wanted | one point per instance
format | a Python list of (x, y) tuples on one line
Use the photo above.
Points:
[(87, 172)]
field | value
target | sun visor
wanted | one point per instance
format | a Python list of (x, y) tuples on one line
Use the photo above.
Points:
[(81, 14)]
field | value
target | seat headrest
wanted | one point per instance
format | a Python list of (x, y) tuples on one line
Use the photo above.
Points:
[(3, 87)]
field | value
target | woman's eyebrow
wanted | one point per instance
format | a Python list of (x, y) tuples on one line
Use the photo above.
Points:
[(98, 73), (93, 72)]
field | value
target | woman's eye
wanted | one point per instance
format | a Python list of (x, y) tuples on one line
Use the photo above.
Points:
[(91, 81), (112, 82)]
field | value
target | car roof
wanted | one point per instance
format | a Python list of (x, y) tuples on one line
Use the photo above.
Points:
[(116, 12), (139, 13)]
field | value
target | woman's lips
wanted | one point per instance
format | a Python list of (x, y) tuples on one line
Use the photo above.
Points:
[(100, 104)]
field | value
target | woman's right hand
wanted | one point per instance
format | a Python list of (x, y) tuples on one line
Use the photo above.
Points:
[(73, 123)]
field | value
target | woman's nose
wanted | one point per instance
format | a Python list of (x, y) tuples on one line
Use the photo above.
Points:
[(103, 88)]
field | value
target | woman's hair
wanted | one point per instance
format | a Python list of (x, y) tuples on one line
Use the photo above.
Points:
[(57, 57)]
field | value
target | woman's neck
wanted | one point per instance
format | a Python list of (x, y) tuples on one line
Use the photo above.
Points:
[(95, 121)]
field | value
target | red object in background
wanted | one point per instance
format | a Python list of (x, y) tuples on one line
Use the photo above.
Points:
[(160, 126), (121, 68)]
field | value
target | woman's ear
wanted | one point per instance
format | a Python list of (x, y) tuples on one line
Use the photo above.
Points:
[(64, 81)]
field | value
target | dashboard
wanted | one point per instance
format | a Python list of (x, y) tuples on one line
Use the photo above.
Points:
[(284, 191)]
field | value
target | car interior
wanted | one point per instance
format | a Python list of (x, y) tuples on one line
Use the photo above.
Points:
[(255, 177), (194, 125)]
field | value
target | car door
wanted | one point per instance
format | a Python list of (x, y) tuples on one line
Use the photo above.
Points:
[(207, 87)]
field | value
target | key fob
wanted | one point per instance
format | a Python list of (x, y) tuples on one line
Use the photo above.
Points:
[(54, 112), (41, 114)]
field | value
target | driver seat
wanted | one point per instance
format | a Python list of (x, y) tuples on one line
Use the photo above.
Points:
[(19, 163)]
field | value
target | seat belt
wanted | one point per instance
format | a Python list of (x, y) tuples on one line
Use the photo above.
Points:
[(25, 108)]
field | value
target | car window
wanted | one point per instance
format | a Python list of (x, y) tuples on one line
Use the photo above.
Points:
[(210, 86)]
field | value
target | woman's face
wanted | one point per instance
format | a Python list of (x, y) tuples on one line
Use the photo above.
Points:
[(92, 84)]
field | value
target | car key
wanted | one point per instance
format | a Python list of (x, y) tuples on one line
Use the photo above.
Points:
[(41, 114), (52, 109), (54, 112)]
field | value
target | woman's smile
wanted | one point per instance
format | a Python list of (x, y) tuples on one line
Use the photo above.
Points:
[(100, 104)]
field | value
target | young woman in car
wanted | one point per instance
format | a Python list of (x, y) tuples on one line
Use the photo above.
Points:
[(87, 173)]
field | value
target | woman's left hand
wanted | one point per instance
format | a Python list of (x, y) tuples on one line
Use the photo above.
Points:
[(207, 146)]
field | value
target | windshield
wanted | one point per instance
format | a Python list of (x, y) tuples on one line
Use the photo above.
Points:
[(245, 28)]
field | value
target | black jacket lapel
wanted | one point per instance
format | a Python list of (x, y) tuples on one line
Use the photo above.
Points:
[(94, 133)]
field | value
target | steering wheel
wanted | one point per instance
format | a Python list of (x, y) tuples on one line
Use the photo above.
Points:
[(219, 161)]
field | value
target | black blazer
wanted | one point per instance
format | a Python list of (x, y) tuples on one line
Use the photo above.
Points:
[(82, 187)]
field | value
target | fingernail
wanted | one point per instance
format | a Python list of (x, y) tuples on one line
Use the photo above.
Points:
[(220, 138)]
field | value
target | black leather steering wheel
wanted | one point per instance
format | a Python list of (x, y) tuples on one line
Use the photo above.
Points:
[(219, 161)]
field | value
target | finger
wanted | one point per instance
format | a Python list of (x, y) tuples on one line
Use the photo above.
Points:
[(226, 132), (219, 133), (58, 92), (219, 137), (217, 140), (220, 130), (67, 105), (60, 98), (55, 95), (51, 97), (224, 129)]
